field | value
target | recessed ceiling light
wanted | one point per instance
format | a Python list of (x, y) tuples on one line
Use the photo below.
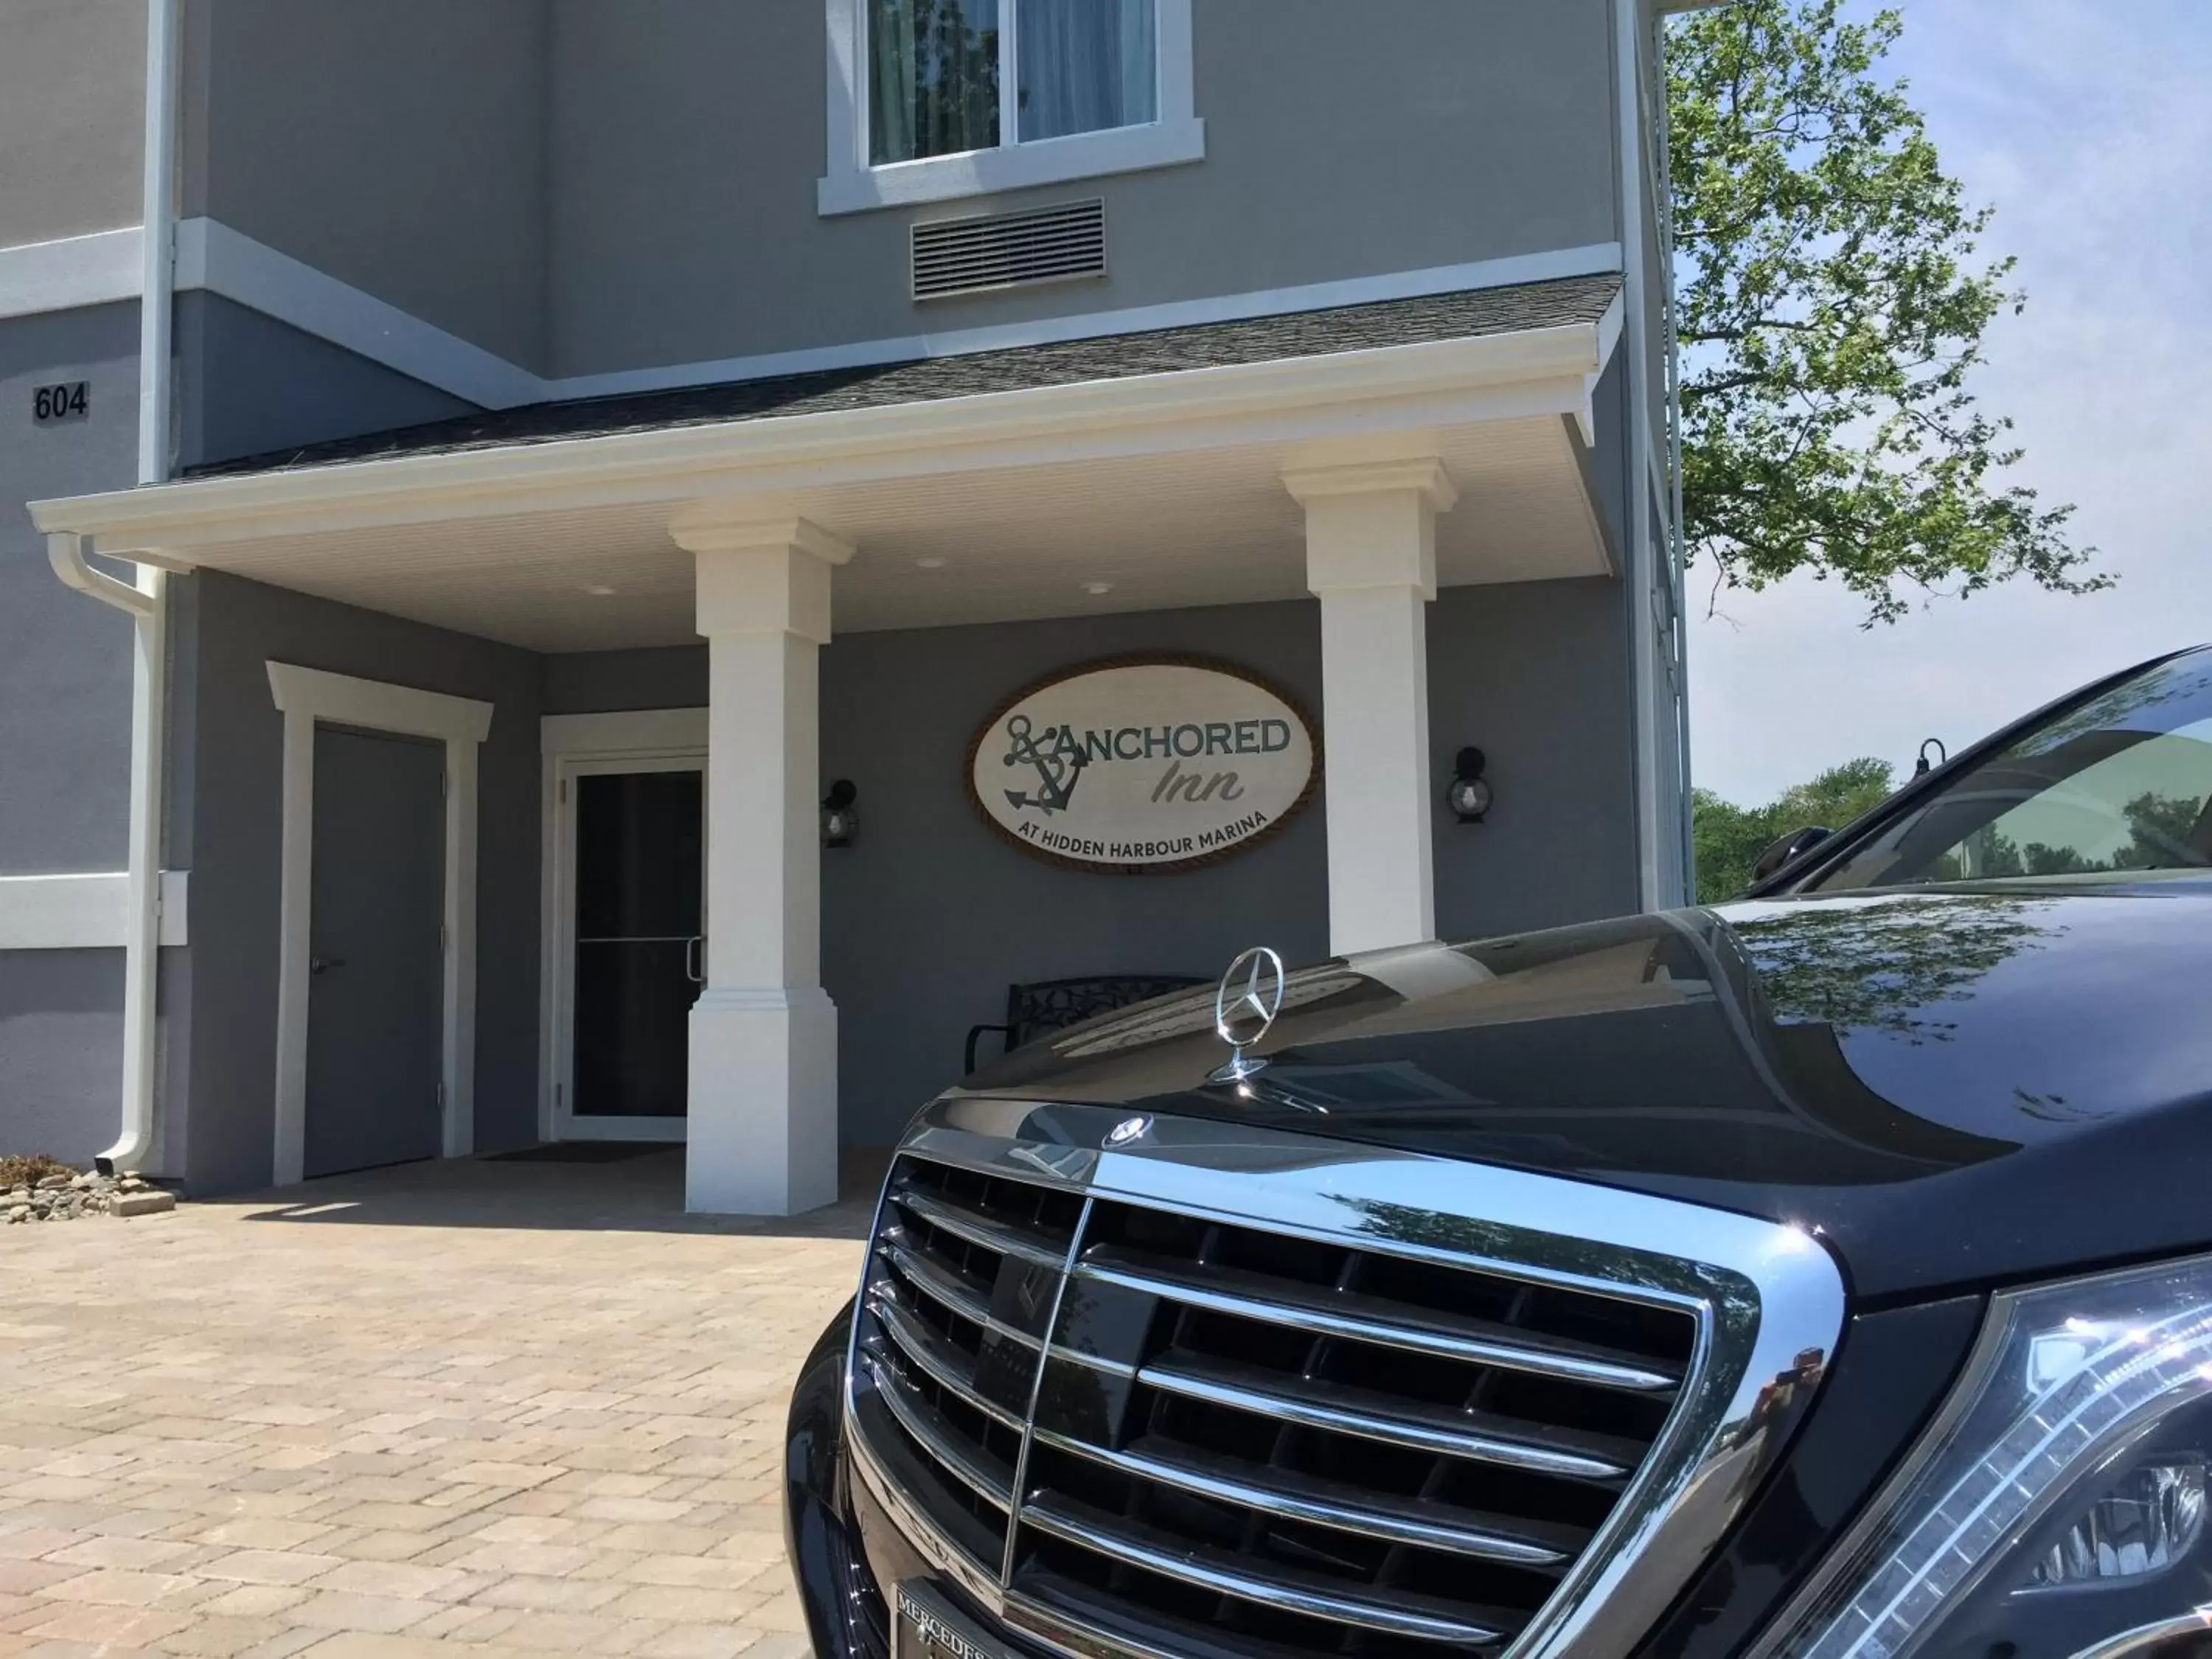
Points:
[(934, 561), (598, 590), (1098, 587)]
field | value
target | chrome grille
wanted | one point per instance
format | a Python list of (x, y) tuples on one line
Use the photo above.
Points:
[(962, 1279), (1216, 1399), (1323, 1447)]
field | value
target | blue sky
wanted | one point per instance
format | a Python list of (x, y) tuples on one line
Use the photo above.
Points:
[(2088, 126)]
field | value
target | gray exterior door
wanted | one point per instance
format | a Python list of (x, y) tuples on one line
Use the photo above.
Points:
[(375, 994)]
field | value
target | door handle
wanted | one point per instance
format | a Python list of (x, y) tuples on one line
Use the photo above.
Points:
[(695, 969), (321, 964)]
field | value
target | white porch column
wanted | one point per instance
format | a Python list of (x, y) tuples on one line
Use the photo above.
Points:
[(1371, 561), (762, 1135)]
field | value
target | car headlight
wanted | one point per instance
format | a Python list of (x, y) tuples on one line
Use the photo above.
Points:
[(2056, 1506)]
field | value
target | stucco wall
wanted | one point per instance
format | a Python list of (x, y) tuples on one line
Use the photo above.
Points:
[(686, 137), (61, 1051), (929, 916), (583, 187), (72, 103), (604, 682), (1535, 675), (64, 725), (247, 384), (226, 798), (64, 659), (397, 146)]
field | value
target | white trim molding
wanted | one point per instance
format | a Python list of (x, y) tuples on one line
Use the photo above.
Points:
[(77, 270), (574, 746), (307, 697), (630, 735), (216, 259), (1553, 264), (1012, 166), (212, 256), (84, 912), (850, 184)]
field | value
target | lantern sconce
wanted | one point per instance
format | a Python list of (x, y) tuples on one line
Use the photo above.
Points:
[(840, 821), (1469, 793)]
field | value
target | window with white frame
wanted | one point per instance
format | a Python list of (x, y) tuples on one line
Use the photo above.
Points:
[(947, 76), (933, 99)]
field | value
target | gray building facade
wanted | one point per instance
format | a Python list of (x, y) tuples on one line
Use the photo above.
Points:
[(586, 432)]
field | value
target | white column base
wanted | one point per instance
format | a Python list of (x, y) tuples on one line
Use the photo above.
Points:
[(763, 1134)]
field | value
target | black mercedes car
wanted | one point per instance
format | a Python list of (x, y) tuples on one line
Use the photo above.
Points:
[(1826, 1275)]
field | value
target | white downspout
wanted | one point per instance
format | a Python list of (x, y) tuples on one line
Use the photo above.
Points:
[(134, 1141), (134, 1147), (146, 602), (160, 244), (1628, 16), (1678, 539)]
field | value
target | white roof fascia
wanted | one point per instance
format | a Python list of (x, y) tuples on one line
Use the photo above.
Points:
[(1459, 381)]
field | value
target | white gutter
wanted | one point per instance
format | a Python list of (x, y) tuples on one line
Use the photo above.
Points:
[(145, 602)]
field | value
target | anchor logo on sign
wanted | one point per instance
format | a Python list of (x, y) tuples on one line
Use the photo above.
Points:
[(1055, 755)]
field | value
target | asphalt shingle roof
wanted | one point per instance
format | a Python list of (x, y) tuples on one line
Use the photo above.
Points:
[(1263, 339)]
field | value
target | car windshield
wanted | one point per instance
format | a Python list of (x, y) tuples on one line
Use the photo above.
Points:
[(2121, 783)]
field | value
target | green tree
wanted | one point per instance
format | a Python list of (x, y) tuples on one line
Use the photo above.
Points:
[(1833, 305), (2161, 835), (1730, 838)]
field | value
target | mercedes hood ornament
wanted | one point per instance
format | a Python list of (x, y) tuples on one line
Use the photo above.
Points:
[(1245, 1004)]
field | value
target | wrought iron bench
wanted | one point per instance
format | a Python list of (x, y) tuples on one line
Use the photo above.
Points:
[(1052, 1004)]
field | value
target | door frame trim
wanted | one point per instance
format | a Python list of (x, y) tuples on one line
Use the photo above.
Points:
[(636, 740), (308, 697)]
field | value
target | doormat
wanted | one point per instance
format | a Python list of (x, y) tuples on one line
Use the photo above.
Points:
[(583, 1152)]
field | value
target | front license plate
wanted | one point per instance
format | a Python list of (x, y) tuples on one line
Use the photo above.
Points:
[(929, 1628)]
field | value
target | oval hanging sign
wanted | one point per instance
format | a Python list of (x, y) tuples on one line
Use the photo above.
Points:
[(1141, 765)]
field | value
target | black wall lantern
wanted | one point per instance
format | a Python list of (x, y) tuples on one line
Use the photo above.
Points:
[(839, 822), (1468, 795)]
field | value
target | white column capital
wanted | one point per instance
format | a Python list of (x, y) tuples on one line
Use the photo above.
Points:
[(761, 575), (706, 527), (1373, 524), (1423, 476)]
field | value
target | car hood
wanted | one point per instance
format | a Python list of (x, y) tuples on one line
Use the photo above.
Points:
[(1951, 1089)]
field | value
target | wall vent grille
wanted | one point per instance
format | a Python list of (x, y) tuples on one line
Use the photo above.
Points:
[(1009, 250)]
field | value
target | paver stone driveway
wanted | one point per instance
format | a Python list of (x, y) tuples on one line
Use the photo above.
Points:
[(483, 1408)]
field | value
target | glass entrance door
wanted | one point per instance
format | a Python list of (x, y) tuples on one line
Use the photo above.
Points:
[(637, 950)]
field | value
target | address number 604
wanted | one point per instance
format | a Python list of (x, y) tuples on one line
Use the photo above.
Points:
[(60, 403)]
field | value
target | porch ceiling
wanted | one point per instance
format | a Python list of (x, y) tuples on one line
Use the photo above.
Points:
[(1164, 487), (1164, 530)]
